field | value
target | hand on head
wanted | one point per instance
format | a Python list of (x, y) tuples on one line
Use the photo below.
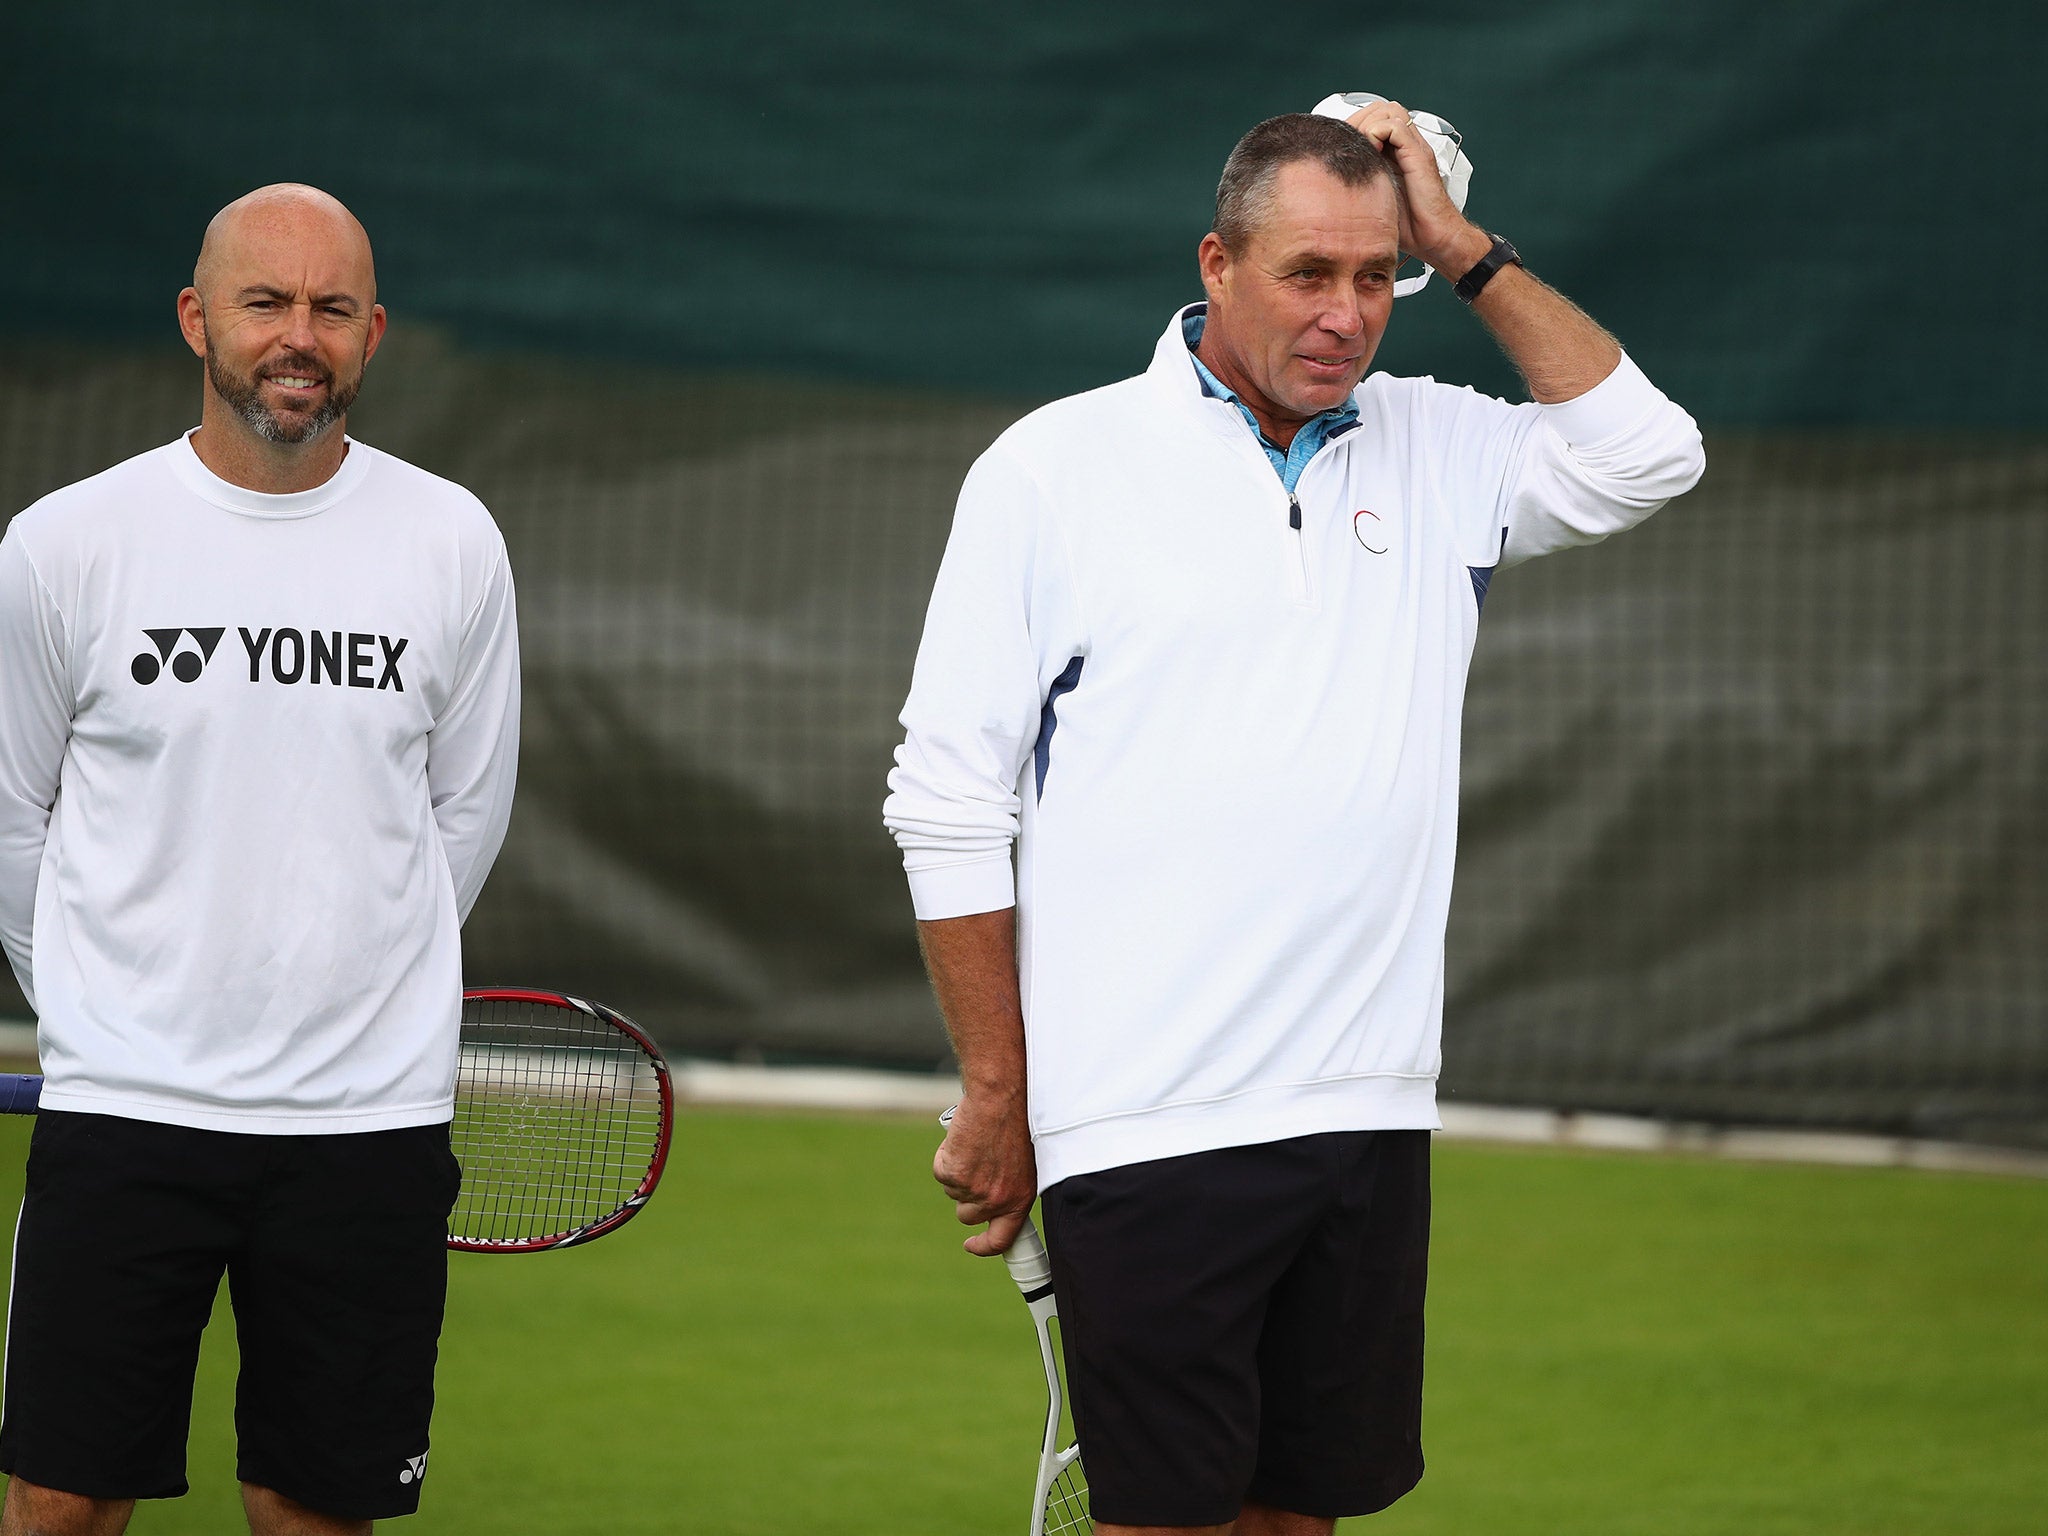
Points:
[(1432, 228)]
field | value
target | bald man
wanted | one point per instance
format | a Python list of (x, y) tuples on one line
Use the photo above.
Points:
[(259, 704)]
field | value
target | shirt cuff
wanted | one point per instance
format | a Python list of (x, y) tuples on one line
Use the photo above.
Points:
[(1612, 406), (960, 890)]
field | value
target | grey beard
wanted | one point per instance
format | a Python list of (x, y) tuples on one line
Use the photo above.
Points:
[(245, 400)]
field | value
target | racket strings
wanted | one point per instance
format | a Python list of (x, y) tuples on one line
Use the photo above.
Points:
[(557, 1121), (1066, 1504)]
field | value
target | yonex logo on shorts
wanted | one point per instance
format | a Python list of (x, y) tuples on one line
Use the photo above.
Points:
[(415, 1469), (185, 665), (339, 658)]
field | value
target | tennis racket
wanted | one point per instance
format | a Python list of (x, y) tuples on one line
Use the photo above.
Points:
[(563, 1111), (1059, 1497)]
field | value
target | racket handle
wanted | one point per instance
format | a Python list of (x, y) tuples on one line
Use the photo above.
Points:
[(1029, 1266), (20, 1092)]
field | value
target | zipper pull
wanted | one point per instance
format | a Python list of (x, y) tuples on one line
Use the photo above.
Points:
[(1293, 512)]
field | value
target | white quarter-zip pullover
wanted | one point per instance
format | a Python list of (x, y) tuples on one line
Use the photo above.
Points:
[(1226, 747), (256, 758)]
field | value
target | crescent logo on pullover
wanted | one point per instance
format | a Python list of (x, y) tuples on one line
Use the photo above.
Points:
[(1223, 737)]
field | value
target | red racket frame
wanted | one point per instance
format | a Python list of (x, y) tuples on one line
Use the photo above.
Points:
[(652, 1177), (20, 1094)]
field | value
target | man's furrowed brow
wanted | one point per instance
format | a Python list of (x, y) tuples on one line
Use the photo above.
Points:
[(1311, 258), (319, 300), (1294, 261)]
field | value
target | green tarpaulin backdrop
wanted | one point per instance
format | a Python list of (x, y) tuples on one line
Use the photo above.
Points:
[(714, 306)]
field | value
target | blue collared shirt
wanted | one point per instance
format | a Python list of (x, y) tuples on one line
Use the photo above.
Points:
[(1287, 462)]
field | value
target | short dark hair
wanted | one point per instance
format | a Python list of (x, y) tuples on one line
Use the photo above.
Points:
[(1245, 194)]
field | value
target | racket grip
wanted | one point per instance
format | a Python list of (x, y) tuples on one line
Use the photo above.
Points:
[(20, 1092), (1026, 1257)]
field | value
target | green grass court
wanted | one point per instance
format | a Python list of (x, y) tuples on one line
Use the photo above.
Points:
[(789, 1340)]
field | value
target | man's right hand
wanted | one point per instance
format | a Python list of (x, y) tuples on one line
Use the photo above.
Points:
[(986, 1166), (985, 1163)]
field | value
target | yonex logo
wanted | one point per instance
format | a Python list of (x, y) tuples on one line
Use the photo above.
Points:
[(340, 658), (186, 665), (415, 1468), (317, 655)]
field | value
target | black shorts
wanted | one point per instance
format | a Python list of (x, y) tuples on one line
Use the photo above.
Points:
[(1246, 1325), (335, 1249)]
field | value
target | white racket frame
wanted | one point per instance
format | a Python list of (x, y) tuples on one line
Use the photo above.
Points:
[(1032, 1270)]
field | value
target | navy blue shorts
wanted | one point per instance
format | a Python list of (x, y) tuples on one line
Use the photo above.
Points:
[(335, 1252), (1246, 1326)]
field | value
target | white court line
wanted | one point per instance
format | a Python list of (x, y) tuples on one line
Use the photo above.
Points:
[(854, 1088), (850, 1088)]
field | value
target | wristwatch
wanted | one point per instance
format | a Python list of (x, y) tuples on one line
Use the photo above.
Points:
[(1502, 255)]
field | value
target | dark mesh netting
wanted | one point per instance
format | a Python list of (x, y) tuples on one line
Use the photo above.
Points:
[(714, 308)]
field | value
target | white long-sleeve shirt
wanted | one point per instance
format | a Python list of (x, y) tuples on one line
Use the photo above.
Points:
[(1226, 746), (256, 757)]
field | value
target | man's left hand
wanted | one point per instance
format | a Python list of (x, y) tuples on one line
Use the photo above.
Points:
[(1432, 228)]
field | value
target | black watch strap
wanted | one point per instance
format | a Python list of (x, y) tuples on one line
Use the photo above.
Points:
[(1502, 255)]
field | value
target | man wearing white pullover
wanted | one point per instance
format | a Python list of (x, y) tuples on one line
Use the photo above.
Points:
[(1198, 648), (259, 712)]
